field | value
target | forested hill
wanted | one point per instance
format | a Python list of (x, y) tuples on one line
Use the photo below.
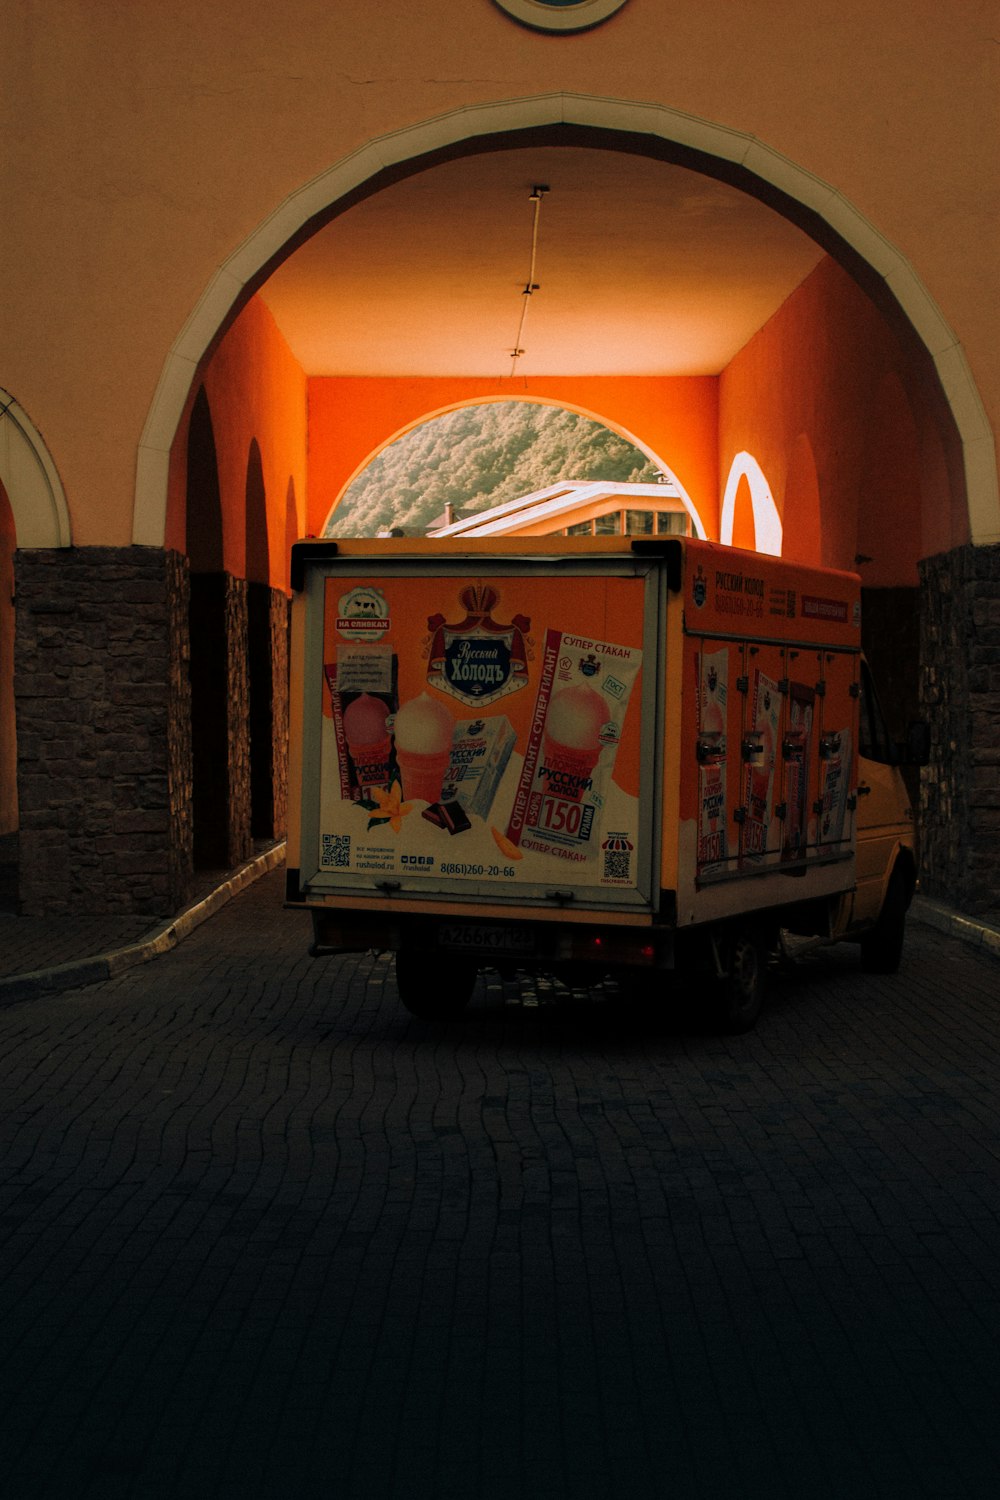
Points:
[(478, 457)]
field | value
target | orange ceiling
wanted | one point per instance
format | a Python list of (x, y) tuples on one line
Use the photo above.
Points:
[(642, 268)]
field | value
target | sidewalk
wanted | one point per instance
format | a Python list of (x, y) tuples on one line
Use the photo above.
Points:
[(982, 935), (41, 954), (38, 955)]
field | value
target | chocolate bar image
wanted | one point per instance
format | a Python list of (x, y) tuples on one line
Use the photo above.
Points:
[(450, 815)]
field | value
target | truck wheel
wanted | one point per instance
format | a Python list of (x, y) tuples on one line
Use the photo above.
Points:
[(740, 994), (434, 989), (882, 946)]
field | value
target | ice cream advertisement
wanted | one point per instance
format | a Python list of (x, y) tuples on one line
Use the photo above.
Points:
[(765, 718), (796, 750), (576, 728), (712, 752), (835, 774), (482, 730)]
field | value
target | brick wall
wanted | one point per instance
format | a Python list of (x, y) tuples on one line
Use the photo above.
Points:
[(240, 846), (179, 768), (98, 682), (960, 694)]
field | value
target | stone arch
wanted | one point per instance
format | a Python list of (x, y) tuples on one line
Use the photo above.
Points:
[(34, 489), (524, 399), (619, 124)]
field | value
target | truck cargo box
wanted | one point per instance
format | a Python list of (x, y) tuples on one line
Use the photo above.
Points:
[(564, 750)]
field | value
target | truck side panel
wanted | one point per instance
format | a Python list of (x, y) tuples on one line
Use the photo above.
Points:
[(768, 763)]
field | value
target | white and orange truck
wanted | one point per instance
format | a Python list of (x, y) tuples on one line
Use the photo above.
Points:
[(588, 755)]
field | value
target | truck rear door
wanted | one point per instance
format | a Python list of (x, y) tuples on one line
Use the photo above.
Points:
[(481, 728)]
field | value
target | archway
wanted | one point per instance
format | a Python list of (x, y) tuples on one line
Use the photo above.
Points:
[(34, 489), (619, 125), (597, 424)]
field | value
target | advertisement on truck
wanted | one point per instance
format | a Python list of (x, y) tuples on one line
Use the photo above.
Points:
[(481, 728)]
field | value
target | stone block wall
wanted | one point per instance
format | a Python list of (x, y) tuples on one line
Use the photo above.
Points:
[(106, 768), (179, 766), (238, 710), (960, 694), (99, 688)]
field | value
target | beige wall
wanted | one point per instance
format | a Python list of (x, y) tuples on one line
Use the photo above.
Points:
[(146, 143)]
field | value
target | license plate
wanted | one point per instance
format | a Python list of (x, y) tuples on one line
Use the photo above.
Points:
[(480, 937)]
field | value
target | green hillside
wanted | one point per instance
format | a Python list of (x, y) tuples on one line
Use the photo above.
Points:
[(478, 457)]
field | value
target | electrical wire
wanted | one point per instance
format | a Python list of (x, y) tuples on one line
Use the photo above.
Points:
[(537, 194)]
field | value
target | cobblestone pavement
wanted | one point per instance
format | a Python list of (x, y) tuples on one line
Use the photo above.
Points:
[(263, 1234)]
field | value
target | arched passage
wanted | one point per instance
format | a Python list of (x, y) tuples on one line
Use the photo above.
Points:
[(34, 489), (856, 251), (619, 125), (611, 425)]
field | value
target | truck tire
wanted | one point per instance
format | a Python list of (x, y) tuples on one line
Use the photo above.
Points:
[(882, 946), (740, 994), (435, 989)]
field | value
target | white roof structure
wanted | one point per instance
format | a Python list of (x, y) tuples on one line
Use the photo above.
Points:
[(558, 506)]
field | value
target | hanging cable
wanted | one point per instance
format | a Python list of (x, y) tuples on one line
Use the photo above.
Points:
[(531, 286)]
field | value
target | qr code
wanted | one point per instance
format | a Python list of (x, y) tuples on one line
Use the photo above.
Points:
[(616, 864), (336, 853)]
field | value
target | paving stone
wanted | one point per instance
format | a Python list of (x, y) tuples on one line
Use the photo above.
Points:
[(263, 1234)]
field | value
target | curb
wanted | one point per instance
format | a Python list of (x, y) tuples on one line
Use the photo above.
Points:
[(84, 971), (981, 935)]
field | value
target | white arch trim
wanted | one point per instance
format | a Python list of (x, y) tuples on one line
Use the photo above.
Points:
[(34, 489), (527, 399), (576, 109), (766, 521)]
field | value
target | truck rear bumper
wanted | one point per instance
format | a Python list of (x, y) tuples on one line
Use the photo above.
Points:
[(520, 942)]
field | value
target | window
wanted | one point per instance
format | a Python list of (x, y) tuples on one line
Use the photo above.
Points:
[(874, 740)]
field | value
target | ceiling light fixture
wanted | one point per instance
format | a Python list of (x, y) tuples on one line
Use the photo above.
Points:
[(531, 285)]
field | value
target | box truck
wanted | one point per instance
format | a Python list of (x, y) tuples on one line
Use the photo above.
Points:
[(588, 756)]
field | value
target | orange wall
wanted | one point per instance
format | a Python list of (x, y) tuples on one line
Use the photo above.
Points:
[(825, 399), (256, 390), (148, 142), (351, 419), (857, 447)]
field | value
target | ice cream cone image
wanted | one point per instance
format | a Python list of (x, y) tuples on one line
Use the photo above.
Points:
[(760, 776), (571, 740), (368, 740), (423, 732)]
